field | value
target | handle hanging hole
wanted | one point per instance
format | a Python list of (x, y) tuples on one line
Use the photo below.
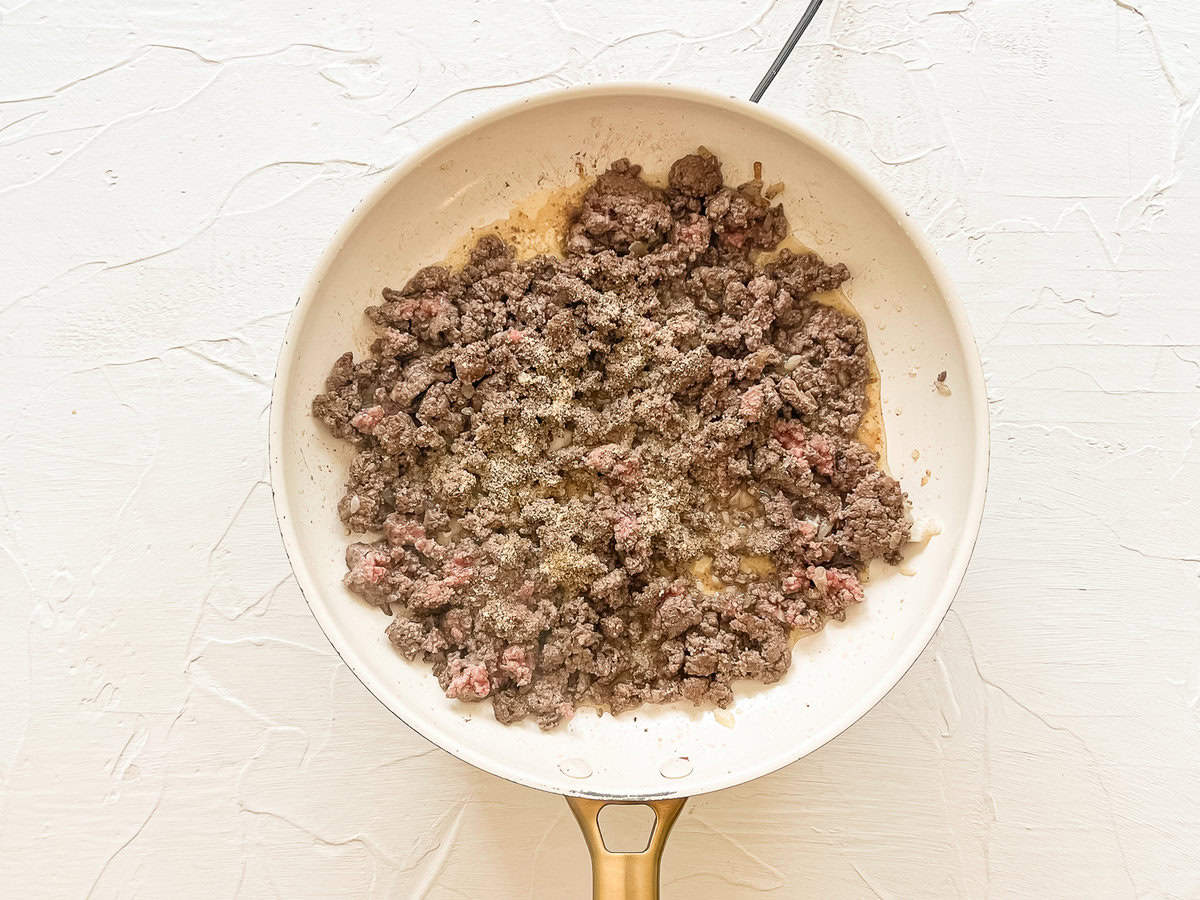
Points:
[(626, 828)]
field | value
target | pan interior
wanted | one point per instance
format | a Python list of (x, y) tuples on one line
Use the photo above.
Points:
[(477, 175)]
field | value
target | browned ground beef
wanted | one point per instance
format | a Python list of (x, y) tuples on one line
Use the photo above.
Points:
[(548, 445)]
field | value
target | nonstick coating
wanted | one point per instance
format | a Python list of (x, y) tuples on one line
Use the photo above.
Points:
[(917, 328)]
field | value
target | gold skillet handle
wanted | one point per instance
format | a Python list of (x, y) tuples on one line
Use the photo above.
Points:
[(625, 876)]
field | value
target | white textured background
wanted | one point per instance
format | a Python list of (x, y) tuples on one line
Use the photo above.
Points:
[(172, 722)]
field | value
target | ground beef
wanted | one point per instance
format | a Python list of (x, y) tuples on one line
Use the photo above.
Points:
[(619, 477)]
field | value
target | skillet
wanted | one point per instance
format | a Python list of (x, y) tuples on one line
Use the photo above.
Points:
[(917, 328)]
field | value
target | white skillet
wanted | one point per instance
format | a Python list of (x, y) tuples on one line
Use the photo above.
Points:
[(917, 328)]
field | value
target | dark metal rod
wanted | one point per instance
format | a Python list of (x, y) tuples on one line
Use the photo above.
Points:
[(788, 46)]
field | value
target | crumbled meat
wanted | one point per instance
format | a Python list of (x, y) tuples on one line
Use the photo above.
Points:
[(465, 681), (571, 461), (696, 175), (618, 210)]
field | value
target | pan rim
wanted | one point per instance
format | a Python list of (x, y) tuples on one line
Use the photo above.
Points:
[(966, 347)]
